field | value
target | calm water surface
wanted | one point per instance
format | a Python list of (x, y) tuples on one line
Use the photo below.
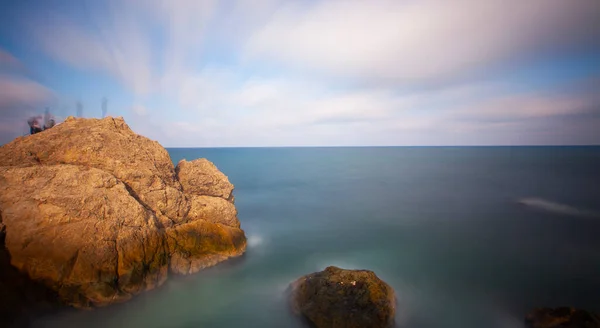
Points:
[(443, 226)]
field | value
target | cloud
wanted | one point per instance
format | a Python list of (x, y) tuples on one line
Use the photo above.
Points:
[(139, 110), (11, 65), (204, 91), (16, 94), (148, 46), (284, 112), (112, 41), (279, 102), (202, 73), (527, 107), (154, 46), (565, 114), (67, 42), (7, 60), (421, 41), (19, 99)]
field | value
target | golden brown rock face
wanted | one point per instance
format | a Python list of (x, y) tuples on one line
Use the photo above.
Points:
[(201, 177), (98, 214), (339, 298)]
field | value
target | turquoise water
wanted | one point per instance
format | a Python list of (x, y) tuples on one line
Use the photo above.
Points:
[(443, 226)]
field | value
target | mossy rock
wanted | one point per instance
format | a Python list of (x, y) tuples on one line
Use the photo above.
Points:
[(343, 298)]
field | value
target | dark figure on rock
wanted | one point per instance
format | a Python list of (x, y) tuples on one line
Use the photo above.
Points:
[(34, 125)]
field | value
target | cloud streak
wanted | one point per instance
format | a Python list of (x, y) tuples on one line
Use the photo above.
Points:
[(332, 72), (463, 114), (19, 99), (417, 42)]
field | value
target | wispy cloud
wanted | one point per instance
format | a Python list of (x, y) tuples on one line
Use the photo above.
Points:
[(397, 41), (570, 100), (111, 41), (328, 72), (17, 92), (464, 114), (8, 61), (19, 99), (414, 42)]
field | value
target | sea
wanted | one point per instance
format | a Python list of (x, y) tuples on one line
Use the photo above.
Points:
[(466, 236)]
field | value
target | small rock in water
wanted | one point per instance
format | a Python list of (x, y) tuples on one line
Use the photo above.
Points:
[(343, 298), (562, 317)]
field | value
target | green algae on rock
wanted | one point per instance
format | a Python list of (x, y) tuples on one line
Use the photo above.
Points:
[(339, 298)]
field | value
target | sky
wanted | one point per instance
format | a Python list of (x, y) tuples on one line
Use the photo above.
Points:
[(264, 73)]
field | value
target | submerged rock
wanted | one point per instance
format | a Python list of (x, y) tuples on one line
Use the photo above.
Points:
[(343, 298), (97, 213), (562, 317)]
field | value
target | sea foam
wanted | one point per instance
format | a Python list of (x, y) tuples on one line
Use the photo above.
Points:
[(554, 207), (255, 240)]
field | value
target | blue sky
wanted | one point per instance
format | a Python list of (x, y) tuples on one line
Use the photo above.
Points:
[(309, 73)]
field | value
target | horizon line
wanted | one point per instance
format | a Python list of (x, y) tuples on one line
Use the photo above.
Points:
[(374, 146)]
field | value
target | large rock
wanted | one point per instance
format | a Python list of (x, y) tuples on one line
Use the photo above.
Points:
[(562, 317), (343, 298), (107, 144), (96, 212)]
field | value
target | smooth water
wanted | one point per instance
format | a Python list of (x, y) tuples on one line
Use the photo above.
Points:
[(467, 236)]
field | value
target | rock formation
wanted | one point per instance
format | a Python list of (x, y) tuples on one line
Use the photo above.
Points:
[(343, 298), (562, 317), (98, 213)]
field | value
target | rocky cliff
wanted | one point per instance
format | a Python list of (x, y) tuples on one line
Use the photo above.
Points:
[(98, 213)]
